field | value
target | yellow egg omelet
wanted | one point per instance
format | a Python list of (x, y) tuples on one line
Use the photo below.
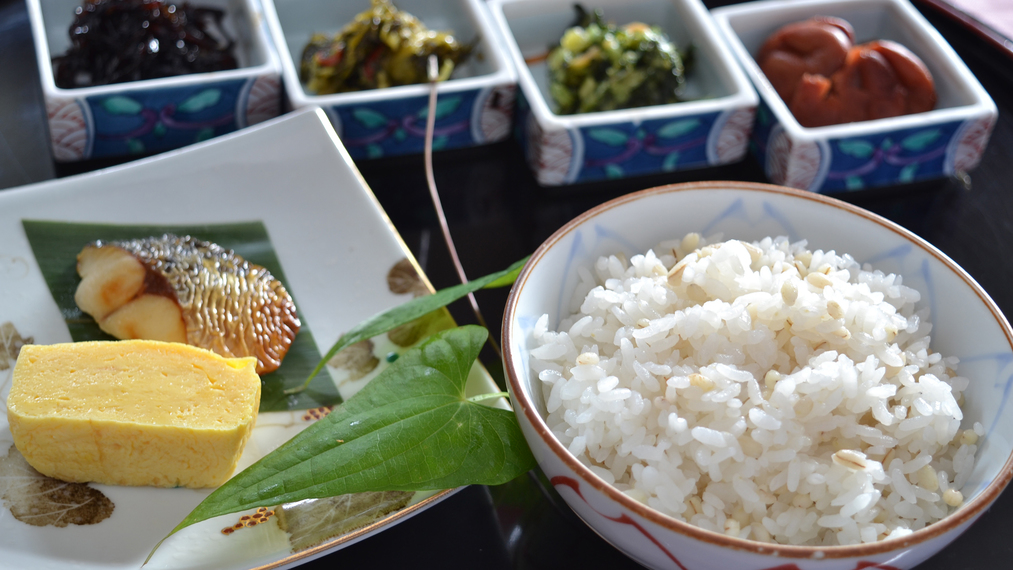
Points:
[(133, 412)]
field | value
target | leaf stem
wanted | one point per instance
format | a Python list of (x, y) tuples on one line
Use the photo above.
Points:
[(407, 312), (417, 399), (433, 72), (480, 397)]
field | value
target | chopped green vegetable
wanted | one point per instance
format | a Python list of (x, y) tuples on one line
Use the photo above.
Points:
[(598, 66), (382, 47), (410, 429)]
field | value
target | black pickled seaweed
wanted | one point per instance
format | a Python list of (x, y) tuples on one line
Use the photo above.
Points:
[(115, 41), (599, 66), (382, 47)]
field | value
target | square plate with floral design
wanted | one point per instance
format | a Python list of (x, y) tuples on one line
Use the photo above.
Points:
[(284, 194)]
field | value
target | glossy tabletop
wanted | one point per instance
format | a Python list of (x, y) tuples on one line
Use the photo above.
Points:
[(498, 214)]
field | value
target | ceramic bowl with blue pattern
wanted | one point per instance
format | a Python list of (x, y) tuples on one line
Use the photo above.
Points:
[(710, 129), (474, 107), (966, 324), (155, 115), (946, 141)]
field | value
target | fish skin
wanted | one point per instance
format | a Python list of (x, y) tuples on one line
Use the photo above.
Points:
[(228, 305)]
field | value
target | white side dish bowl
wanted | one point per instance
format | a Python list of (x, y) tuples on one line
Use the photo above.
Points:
[(155, 115), (710, 129), (475, 105), (946, 141), (966, 324)]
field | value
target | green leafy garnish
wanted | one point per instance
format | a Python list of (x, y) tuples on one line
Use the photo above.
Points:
[(412, 310), (599, 66), (382, 47), (412, 428)]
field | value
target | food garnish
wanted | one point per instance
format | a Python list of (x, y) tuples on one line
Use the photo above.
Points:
[(382, 47), (412, 311), (412, 428), (135, 412), (114, 41), (825, 79), (599, 66), (181, 289)]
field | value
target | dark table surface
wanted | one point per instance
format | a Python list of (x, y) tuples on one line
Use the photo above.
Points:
[(498, 214)]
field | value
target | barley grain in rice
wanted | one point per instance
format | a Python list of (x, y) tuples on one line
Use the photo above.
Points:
[(759, 390)]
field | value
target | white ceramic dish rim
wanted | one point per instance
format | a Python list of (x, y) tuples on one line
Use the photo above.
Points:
[(743, 95), (523, 403), (503, 74), (983, 104), (271, 65), (320, 120)]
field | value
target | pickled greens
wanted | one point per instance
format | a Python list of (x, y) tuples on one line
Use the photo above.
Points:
[(382, 47), (599, 66)]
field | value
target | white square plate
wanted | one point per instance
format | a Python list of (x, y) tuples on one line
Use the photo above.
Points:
[(336, 246), (709, 129)]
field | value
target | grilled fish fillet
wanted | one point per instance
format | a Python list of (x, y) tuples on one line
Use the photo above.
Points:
[(180, 289)]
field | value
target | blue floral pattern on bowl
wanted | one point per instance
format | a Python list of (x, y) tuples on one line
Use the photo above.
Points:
[(948, 140), (884, 158), (474, 105), (144, 121), (155, 115), (387, 127), (622, 149)]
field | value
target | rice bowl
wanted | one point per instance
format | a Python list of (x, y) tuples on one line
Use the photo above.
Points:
[(652, 527)]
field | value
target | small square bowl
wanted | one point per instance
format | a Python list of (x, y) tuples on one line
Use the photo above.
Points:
[(155, 115), (475, 106), (711, 129), (945, 141)]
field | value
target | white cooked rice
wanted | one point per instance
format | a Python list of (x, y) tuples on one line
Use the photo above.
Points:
[(759, 390)]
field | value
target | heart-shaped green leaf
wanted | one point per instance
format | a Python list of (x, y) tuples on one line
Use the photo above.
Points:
[(410, 429)]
